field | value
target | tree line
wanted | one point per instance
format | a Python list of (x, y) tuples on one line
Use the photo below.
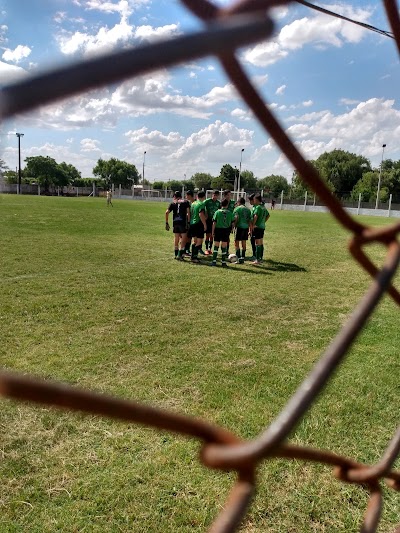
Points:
[(346, 174)]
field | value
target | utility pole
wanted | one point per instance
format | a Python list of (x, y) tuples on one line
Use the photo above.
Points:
[(379, 181), (19, 135), (144, 159)]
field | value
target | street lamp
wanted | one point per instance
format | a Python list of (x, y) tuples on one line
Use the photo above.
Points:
[(379, 181), (240, 170), (19, 135), (144, 159)]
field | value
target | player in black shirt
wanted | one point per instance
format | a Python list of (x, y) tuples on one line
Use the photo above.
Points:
[(180, 220)]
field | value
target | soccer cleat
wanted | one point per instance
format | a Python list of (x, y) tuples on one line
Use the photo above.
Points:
[(179, 258), (213, 263), (202, 252), (241, 261), (256, 262), (224, 265), (252, 258)]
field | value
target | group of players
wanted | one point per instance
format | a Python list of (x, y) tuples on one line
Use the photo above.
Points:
[(193, 218)]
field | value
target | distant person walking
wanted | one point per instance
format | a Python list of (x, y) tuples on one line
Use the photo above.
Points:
[(109, 198)]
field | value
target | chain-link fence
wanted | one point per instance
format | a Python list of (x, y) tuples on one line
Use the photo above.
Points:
[(225, 30)]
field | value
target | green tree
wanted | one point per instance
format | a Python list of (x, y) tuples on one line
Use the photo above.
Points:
[(343, 169), (117, 172), (174, 185), (248, 180), (219, 183), (11, 176), (159, 185), (274, 185), (72, 174), (188, 184), (367, 186), (202, 180), (46, 171), (228, 174)]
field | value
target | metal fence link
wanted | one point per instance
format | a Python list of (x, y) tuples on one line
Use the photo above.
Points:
[(226, 29)]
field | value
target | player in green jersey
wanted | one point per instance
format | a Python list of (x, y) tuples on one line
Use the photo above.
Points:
[(252, 239), (227, 195), (242, 219), (212, 204), (260, 216), (190, 198), (222, 224), (198, 224)]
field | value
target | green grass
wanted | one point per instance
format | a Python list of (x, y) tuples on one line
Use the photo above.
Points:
[(92, 296)]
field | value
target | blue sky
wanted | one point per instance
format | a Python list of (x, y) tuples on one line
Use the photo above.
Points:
[(332, 84)]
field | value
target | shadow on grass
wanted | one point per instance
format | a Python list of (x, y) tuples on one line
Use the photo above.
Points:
[(267, 267)]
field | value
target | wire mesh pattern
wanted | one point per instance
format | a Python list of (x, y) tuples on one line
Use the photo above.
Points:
[(245, 22)]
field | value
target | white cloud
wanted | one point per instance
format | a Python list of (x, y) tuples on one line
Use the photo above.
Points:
[(241, 114), (361, 130), (148, 33), (10, 73), (219, 141), (104, 41), (16, 55), (318, 30), (307, 103), (90, 145), (280, 90)]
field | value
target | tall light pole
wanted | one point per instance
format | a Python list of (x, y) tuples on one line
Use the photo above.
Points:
[(379, 181), (19, 135), (240, 170), (144, 159)]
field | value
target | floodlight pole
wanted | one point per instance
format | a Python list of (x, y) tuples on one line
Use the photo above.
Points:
[(19, 135), (240, 171), (380, 176), (144, 159)]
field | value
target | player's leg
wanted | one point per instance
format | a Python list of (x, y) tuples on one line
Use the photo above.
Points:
[(224, 250), (176, 242), (237, 247), (183, 245), (253, 246), (215, 253), (244, 246)]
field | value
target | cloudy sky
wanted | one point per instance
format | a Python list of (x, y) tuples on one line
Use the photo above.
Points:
[(332, 84)]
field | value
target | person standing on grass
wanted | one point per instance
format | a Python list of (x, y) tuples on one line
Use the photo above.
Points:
[(222, 225), (180, 220), (109, 198), (212, 204), (227, 195), (252, 238), (198, 224), (259, 218), (242, 220), (190, 199)]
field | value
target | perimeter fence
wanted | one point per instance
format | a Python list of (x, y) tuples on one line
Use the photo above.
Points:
[(226, 29)]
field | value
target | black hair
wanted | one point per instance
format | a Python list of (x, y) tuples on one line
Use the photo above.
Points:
[(224, 202), (226, 192), (216, 191), (242, 201), (201, 194), (251, 196), (177, 194), (189, 192), (258, 197)]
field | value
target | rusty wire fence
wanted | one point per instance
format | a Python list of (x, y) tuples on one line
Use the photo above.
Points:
[(245, 22)]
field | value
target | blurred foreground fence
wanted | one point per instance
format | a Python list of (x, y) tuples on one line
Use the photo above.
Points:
[(224, 31)]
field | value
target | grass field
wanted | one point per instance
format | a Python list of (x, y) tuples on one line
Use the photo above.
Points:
[(92, 296)]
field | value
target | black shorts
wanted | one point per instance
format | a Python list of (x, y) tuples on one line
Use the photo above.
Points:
[(258, 233), (179, 228), (242, 234), (209, 225), (222, 234), (197, 230)]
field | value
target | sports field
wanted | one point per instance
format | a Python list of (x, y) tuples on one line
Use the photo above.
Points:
[(92, 296)]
